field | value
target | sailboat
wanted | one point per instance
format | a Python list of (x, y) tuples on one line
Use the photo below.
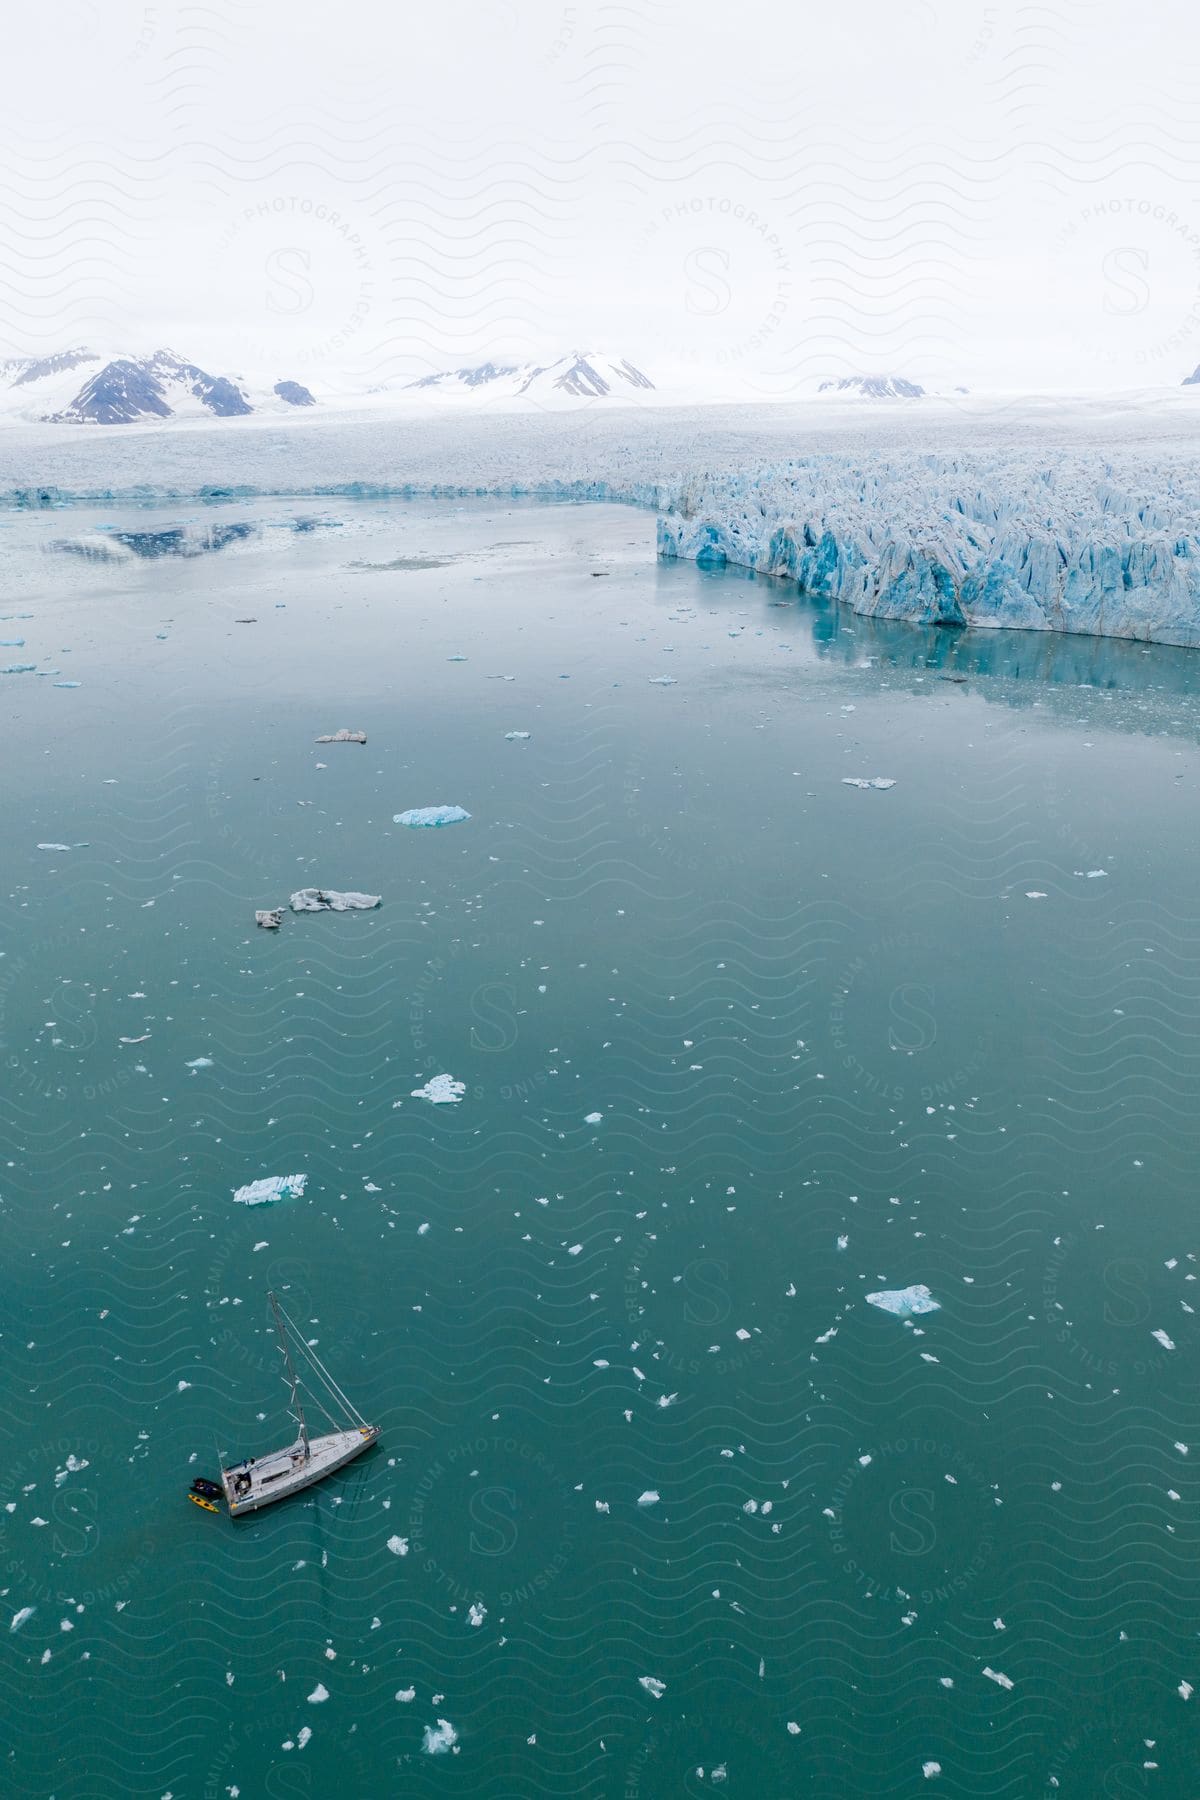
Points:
[(258, 1481)]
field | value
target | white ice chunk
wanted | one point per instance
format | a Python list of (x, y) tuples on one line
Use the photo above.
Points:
[(418, 816), (271, 1187), (327, 900), (442, 1090), (904, 1302), (440, 1739)]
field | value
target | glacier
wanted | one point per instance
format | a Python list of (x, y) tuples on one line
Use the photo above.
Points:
[(1080, 517), (1035, 543)]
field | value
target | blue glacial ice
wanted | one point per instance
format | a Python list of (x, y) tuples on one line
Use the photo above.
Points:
[(1046, 543), (905, 1302), (418, 816)]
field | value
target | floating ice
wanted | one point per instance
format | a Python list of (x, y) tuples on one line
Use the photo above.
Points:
[(68, 684), (1185, 1690), (904, 1302), (1003, 1681), (398, 1546), (326, 900), (930, 1769), (343, 737), (319, 1693), (593, 1118), (438, 1741), (477, 1614), (417, 816), (270, 918), (652, 1685), (200, 1062), (515, 737), (442, 1090), (663, 681), (1163, 1339), (868, 781), (649, 1498), (54, 846), (270, 1188), (404, 1695), (18, 669), (20, 1618)]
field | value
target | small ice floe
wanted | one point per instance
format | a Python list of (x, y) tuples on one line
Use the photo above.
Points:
[(793, 1728), (904, 1302), (343, 737), (21, 1618), (593, 1118), (868, 781), (441, 1090), (439, 1739), (662, 681), (54, 846), (515, 737), (18, 669), (649, 1498), (1185, 1690), (930, 1769), (1163, 1339), (418, 816), (271, 1188), (406, 1695), (319, 1693), (1003, 1681), (269, 917), (476, 1613), (653, 1685), (1095, 874), (398, 1546), (1035, 894), (303, 1736), (326, 900), (200, 1062)]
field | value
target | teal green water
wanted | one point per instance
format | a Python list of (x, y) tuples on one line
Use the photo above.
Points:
[(806, 1012)]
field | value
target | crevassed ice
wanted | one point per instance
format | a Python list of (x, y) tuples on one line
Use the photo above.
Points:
[(271, 1187)]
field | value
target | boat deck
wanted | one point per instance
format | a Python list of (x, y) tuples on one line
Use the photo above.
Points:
[(258, 1481)]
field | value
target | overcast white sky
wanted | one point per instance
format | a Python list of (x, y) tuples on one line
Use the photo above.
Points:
[(746, 198)]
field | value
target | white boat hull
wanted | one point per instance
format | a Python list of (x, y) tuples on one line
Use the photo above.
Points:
[(260, 1481)]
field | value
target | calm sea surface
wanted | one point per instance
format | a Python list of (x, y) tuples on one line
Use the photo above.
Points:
[(640, 1425)]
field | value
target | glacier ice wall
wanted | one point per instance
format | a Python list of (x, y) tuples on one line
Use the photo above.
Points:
[(1070, 543)]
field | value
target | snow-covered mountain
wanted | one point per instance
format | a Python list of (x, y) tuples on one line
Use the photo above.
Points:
[(82, 387), (578, 375), (873, 387)]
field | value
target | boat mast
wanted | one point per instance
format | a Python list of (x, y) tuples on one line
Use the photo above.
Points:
[(291, 1374)]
